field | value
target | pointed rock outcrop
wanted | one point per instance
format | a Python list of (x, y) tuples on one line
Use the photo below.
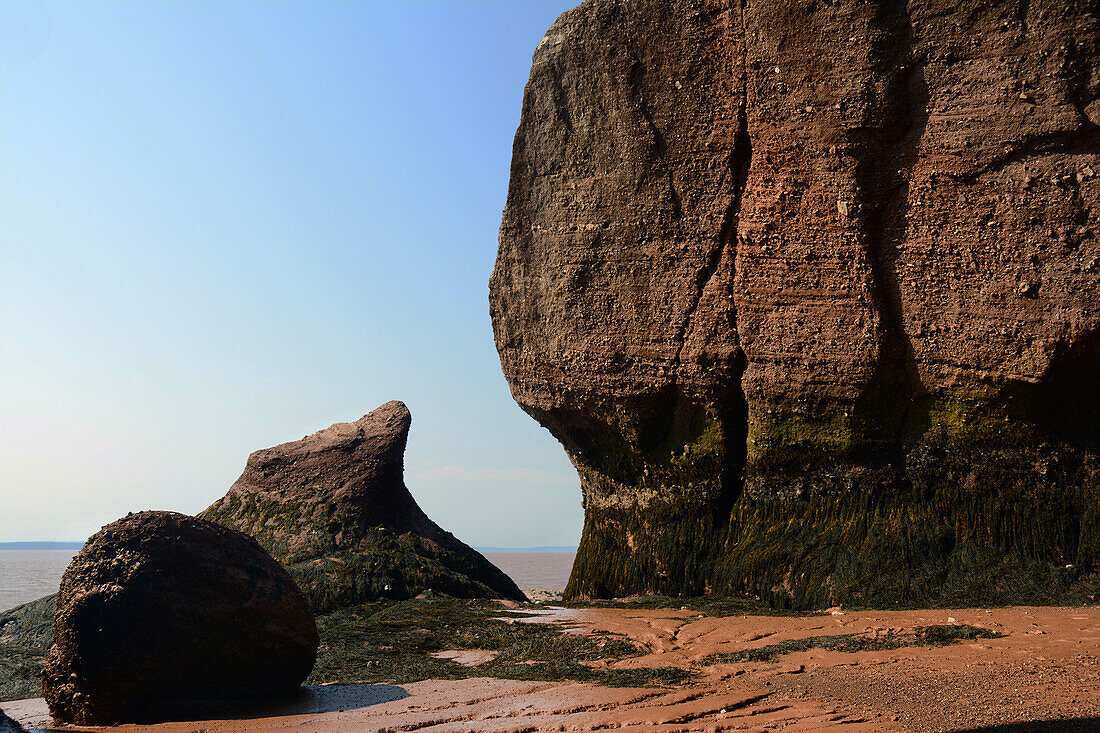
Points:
[(334, 509)]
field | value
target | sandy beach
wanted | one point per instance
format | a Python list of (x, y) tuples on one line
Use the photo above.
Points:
[(1043, 674)]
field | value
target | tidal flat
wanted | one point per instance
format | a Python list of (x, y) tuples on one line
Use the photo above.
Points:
[(442, 664), (393, 642)]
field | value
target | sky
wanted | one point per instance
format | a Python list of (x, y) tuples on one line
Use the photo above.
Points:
[(226, 225)]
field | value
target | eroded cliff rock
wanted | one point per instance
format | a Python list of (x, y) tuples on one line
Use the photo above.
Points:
[(810, 293), (159, 610), (333, 508)]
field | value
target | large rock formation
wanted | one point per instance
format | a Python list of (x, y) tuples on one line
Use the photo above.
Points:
[(159, 609), (333, 508), (810, 292)]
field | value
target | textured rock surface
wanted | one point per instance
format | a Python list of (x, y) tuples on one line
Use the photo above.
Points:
[(810, 292), (333, 508), (25, 635), (160, 608)]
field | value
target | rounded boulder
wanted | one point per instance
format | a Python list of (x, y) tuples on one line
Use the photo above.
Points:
[(160, 608)]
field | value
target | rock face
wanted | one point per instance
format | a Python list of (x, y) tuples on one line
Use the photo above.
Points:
[(810, 293), (160, 608), (26, 632), (333, 508)]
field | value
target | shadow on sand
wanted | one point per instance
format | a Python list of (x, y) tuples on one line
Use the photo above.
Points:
[(310, 700), (1072, 725)]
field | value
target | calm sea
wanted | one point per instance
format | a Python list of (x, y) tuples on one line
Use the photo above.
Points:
[(549, 570), (29, 574)]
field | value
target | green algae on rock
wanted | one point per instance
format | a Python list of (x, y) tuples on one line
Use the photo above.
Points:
[(816, 333), (941, 635), (334, 509), (393, 642), (25, 635)]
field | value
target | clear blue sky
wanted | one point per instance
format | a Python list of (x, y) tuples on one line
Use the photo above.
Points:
[(225, 225)]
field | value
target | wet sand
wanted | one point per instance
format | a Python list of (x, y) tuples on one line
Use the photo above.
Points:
[(1042, 676)]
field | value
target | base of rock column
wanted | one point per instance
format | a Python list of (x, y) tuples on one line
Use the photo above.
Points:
[(990, 515)]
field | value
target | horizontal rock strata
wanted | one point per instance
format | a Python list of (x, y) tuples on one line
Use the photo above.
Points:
[(333, 507), (810, 293)]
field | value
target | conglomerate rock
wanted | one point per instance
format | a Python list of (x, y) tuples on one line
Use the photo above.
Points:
[(159, 610), (333, 508), (810, 293)]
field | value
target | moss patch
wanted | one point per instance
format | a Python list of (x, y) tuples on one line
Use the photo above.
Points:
[(921, 636), (25, 635), (392, 642), (388, 641), (713, 606), (661, 549), (827, 428), (951, 548), (979, 509), (336, 563)]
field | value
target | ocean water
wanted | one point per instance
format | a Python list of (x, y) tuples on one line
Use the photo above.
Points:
[(549, 570), (29, 574)]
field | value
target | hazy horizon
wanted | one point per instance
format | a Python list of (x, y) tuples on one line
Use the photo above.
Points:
[(75, 544), (224, 226)]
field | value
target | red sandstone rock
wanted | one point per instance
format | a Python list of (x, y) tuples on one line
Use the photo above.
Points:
[(333, 507), (809, 292), (159, 608)]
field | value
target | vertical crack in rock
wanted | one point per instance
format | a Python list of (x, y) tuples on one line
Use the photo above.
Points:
[(885, 149), (729, 397), (740, 159), (737, 410), (738, 164)]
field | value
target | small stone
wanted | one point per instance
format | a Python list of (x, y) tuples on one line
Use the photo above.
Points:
[(1028, 289), (1092, 112)]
